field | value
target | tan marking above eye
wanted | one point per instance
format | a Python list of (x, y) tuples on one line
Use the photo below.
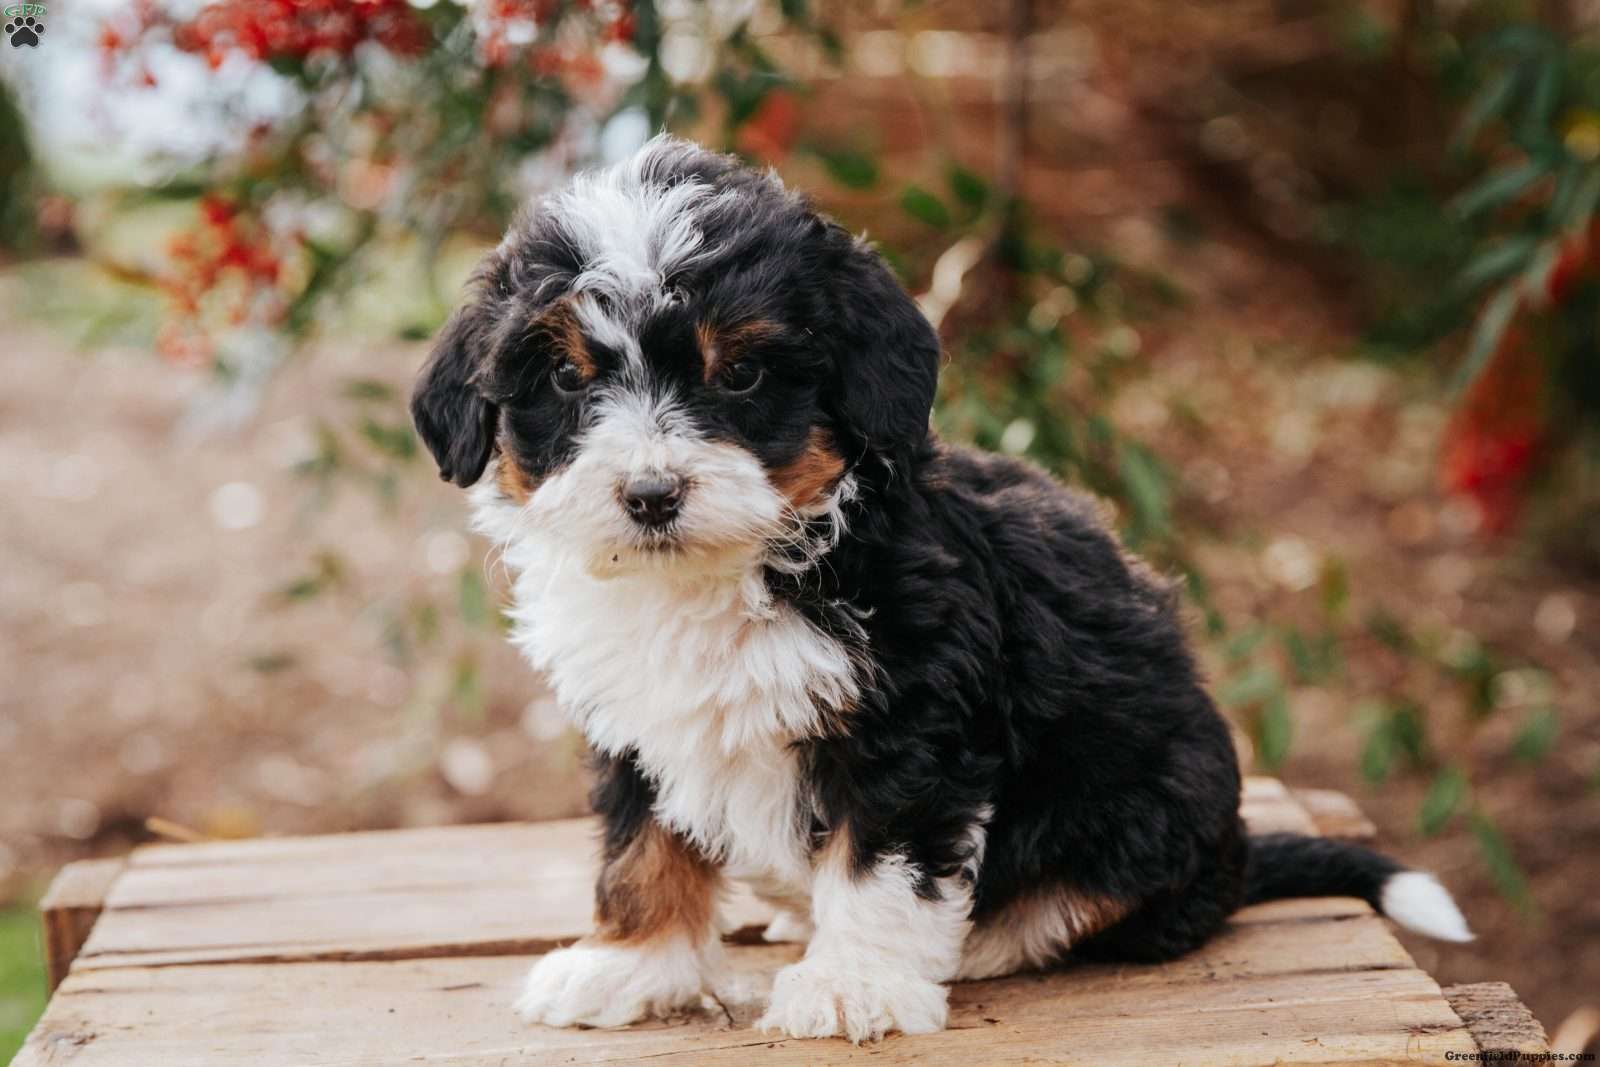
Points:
[(721, 346), (557, 326)]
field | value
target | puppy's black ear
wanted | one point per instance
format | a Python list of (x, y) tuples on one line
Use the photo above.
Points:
[(886, 358), (452, 417)]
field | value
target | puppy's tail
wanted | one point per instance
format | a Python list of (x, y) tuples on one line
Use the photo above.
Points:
[(1294, 865)]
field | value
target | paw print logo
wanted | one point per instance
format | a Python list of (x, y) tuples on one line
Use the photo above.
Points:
[(22, 27)]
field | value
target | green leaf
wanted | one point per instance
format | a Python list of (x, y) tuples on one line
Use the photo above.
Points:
[(924, 206), (1501, 260), (1573, 207), (1246, 641), (394, 441), (1489, 103), (1377, 755), (1486, 336), (1410, 731), (1146, 488), (1542, 98), (271, 662), (368, 389), (968, 188), (473, 597), (1389, 632), (1394, 730), (1537, 735), (1254, 686), (1313, 658), (303, 588), (1274, 731), (1444, 798), (466, 687), (1499, 188), (1502, 863), (1334, 583), (850, 168)]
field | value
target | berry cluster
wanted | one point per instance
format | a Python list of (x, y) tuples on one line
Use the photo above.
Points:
[(277, 30), (229, 255)]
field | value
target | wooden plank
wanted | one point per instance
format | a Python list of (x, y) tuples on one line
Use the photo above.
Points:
[(1253, 996), (489, 890), (480, 890), (1268, 807), (1334, 814), (476, 889), (1497, 1020), (70, 908), (414, 943)]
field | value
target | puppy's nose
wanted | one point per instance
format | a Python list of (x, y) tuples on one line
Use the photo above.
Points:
[(653, 499)]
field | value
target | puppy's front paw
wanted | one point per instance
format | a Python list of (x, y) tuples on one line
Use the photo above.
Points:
[(596, 984), (819, 998)]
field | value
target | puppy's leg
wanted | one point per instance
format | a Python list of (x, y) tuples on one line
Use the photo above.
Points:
[(879, 953), (655, 946)]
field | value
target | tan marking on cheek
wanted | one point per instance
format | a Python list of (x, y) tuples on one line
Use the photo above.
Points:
[(512, 480), (805, 479), (722, 346), (659, 886)]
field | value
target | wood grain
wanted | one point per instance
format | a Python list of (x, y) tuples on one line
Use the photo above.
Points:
[(1247, 998), (480, 890), (70, 908), (1497, 1020), (1334, 814), (408, 946)]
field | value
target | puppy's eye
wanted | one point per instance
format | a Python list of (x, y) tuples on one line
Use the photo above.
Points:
[(740, 378), (568, 378)]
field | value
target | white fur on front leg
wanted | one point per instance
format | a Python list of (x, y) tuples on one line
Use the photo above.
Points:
[(598, 983), (877, 958), (824, 996)]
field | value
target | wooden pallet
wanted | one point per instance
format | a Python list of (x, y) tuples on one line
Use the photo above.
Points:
[(408, 946)]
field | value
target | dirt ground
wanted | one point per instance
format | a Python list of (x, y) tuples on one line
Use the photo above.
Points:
[(152, 670)]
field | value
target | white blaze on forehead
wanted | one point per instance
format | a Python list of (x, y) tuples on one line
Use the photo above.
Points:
[(632, 234), (605, 328)]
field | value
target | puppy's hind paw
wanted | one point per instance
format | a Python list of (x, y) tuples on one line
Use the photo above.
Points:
[(596, 984), (814, 998)]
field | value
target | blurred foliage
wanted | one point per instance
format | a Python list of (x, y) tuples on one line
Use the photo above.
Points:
[(17, 177), (1506, 217)]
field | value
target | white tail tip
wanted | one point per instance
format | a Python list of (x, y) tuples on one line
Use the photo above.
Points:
[(1417, 901)]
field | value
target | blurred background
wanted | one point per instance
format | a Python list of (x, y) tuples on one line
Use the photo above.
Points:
[(1308, 289)]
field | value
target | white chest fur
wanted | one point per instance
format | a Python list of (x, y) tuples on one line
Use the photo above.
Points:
[(706, 681)]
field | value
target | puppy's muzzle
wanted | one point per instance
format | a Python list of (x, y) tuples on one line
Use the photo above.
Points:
[(653, 500)]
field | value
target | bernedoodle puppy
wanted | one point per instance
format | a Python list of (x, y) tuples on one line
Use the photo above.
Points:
[(916, 695)]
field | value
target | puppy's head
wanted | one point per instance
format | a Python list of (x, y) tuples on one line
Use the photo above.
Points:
[(676, 363)]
